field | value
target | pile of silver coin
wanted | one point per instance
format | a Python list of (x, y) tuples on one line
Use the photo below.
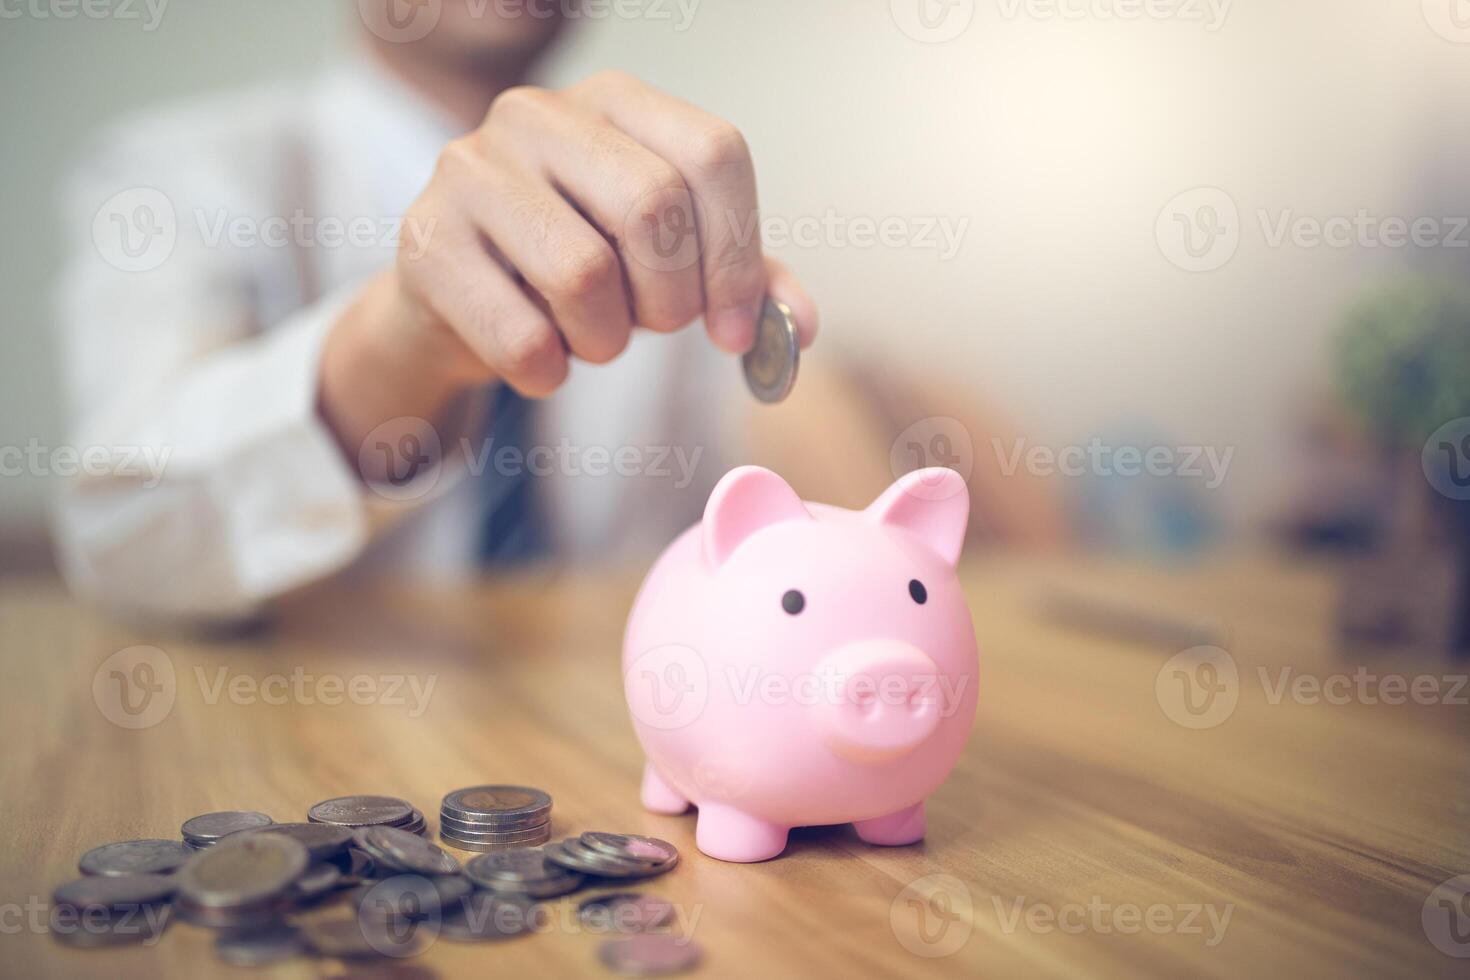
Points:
[(271, 891), (209, 829), (483, 818)]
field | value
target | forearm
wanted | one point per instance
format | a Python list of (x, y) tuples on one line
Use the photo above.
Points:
[(387, 368), (250, 498)]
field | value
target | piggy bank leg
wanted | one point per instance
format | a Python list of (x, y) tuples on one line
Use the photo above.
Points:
[(728, 834), (658, 795), (904, 827)]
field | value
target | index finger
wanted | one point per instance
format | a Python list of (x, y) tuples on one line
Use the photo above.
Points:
[(711, 155)]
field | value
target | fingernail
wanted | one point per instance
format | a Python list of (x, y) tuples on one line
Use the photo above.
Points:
[(733, 329)]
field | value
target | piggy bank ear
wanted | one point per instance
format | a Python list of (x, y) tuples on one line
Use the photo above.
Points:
[(933, 503), (745, 500)]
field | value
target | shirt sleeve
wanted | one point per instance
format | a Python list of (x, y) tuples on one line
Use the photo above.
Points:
[(208, 483)]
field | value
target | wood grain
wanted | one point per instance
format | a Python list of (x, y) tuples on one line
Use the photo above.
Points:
[(1083, 833)]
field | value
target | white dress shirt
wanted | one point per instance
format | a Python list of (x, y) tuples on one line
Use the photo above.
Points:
[(200, 350)]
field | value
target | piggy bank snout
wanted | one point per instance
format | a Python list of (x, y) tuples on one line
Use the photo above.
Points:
[(884, 700)]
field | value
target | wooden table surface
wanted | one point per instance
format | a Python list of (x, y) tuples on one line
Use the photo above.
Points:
[(1084, 833)]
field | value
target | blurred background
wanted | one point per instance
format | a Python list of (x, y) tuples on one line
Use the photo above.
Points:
[(1227, 238)]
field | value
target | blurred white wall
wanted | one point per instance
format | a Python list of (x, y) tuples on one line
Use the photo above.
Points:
[(1055, 141)]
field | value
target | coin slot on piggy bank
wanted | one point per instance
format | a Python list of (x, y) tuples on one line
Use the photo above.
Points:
[(790, 664)]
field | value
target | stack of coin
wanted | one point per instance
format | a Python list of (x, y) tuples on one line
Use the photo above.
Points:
[(243, 883), (609, 855), (245, 877), (134, 857), (396, 851), (407, 897), (207, 829), (625, 912), (368, 811), (323, 841), (522, 871), (484, 818), (105, 910)]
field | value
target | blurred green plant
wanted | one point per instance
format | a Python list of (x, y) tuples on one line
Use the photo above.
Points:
[(1403, 359)]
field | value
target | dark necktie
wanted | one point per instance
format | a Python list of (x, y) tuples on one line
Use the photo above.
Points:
[(511, 533)]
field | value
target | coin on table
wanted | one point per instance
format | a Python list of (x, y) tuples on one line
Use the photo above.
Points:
[(506, 807), (94, 928), (455, 825), (134, 857), (362, 811), (114, 891), (260, 947), (634, 847), (770, 366), (240, 918), (402, 850), (483, 916), (322, 841), (208, 828), (316, 881), (625, 912), (535, 835), (649, 955), (409, 896), (517, 864), (523, 871), (356, 864), (573, 854), (359, 938), (243, 871), (416, 823)]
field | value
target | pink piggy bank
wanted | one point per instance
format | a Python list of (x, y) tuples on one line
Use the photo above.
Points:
[(789, 664)]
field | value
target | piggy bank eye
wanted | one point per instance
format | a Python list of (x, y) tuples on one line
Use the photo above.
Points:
[(917, 590), (793, 602)]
